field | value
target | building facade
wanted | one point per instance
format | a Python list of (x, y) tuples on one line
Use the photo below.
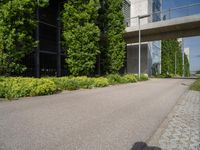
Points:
[(187, 53), (48, 59), (127, 12), (150, 51)]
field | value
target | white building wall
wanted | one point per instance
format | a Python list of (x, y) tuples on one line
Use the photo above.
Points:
[(153, 49), (139, 7), (187, 53)]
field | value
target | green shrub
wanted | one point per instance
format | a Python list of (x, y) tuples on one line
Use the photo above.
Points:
[(143, 77), (2, 89), (13, 88), (168, 75), (21, 87), (115, 79), (71, 84), (43, 87), (80, 17), (130, 78), (84, 82), (196, 85), (60, 83), (66, 83), (101, 82)]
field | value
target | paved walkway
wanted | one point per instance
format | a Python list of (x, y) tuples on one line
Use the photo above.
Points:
[(111, 118), (181, 129)]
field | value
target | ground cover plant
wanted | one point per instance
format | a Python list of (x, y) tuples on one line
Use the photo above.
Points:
[(16, 87), (196, 85)]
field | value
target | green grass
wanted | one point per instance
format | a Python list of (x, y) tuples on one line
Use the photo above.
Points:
[(196, 85)]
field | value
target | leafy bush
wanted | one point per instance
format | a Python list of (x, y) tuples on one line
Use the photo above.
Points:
[(101, 82), (79, 17), (114, 26), (12, 88), (115, 79), (43, 87), (17, 25), (130, 78), (60, 82), (73, 83), (2, 89), (143, 77), (198, 72), (65, 83), (84, 82)]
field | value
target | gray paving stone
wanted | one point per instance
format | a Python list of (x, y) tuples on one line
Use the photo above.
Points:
[(181, 129)]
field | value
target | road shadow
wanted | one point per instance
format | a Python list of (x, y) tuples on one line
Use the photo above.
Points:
[(143, 146)]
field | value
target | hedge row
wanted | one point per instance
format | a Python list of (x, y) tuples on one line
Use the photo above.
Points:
[(13, 88)]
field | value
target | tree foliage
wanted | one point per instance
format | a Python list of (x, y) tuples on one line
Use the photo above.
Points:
[(171, 54), (81, 35), (115, 28), (17, 24), (186, 66)]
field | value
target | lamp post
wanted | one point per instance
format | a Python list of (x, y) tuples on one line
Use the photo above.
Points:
[(139, 57), (175, 64), (183, 57)]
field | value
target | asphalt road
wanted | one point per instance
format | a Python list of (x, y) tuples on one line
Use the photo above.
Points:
[(111, 118)]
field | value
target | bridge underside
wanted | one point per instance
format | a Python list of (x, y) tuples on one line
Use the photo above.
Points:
[(174, 28)]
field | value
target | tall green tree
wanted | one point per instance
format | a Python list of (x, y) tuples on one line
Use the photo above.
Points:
[(115, 28), (81, 35), (170, 52), (17, 24), (186, 66)]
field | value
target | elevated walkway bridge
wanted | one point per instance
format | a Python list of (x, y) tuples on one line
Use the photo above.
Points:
[(173, 23)]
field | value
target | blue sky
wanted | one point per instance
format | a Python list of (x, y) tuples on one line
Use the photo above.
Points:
[(192, 42)]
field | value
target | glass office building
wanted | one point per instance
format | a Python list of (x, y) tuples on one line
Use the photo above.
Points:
[(156, 8), (155, 46)]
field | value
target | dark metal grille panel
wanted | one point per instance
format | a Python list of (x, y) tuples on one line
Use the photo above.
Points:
[(127, 12)]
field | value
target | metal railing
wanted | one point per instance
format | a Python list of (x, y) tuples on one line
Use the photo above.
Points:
[(171, 13)]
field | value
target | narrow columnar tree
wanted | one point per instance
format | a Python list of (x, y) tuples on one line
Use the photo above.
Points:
[(186, 66), (115, 53), (170, 55), (17, 24), (81, 35)]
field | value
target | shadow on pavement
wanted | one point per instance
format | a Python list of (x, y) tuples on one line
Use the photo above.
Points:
[(143, 146)]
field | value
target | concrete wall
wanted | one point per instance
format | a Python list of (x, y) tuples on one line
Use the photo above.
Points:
[(139, 7), (132, 58), (149, 50)]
